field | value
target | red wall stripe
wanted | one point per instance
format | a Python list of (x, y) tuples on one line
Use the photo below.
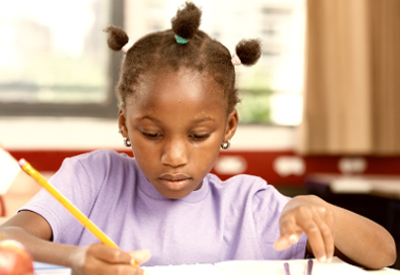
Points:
[(259, 163)]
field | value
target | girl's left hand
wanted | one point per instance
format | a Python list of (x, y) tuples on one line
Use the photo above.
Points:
[(314, 217)]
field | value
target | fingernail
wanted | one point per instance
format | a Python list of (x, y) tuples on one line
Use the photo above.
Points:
[(322, 259)]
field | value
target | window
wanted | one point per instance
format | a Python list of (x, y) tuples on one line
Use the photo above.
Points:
[(271, 92), (54, 57)]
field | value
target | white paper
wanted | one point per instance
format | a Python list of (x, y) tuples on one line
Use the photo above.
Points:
[(9, 170), (189, 269), (297, 267), (50, 269)]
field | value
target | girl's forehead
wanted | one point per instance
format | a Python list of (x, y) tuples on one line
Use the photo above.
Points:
[(185, 86)]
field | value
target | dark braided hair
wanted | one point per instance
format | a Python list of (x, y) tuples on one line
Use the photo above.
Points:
[(197, 51)]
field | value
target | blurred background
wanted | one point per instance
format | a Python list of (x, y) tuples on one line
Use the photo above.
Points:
[(318, 113)]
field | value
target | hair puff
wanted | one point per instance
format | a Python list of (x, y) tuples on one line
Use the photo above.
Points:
[(187, 21), (117, 38), (249, 51)]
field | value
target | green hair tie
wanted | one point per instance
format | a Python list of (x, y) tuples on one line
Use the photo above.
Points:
[(180, 40)]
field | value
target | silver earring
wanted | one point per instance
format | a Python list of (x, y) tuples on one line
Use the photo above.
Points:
[(127, 142), (225, 145)]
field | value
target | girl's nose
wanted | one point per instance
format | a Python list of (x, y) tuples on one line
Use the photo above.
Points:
[(175, 153)]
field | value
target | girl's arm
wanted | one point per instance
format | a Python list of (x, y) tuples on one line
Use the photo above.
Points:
[(33, 231), (332, 230)]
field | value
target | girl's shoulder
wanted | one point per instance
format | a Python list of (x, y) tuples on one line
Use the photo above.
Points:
[(238, 180), (98, 170), (100, 157), (101, 154), (242, 184), (247, 189), (98, 163)]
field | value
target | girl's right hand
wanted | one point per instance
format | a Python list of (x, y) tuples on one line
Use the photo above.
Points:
[(102, 259)]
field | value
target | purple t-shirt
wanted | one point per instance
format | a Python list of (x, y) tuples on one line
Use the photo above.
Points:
[(236, 219)]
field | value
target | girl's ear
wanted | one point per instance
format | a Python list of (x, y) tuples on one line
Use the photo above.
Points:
[(122, 122), (231, 125)]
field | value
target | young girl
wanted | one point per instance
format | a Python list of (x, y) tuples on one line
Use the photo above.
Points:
[(177, 101)]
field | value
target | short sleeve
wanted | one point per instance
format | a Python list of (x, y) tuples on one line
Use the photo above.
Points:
[(268, 204), (73, 181)]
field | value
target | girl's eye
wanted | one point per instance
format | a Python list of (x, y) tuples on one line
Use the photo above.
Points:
[(199, 137), (151, 135)]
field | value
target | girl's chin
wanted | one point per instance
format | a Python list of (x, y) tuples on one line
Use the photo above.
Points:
[(175, 185), (175, 189), (174, 194)]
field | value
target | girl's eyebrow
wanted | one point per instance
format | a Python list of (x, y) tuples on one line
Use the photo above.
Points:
[(149, 118), (207, 118)]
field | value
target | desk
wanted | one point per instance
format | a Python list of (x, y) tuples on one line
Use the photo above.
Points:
[(380, 190), (375, 185)]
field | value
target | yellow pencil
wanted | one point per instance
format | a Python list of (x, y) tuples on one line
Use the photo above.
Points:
[(67, 204)]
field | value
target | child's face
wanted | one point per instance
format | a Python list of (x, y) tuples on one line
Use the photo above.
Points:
[(176, 123)]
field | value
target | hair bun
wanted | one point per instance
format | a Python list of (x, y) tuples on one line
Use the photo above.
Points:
[(117, 38), (249, 51), (187, 21)]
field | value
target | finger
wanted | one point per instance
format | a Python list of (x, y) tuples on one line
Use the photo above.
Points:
[(290, 233), (325, 225), (109, 254), (329, 242), (315, 239), (140, 256), (284, 242), (99, 267), (323, 219)]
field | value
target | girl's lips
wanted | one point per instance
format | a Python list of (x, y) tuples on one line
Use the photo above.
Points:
[(174, 177), (174, 181)]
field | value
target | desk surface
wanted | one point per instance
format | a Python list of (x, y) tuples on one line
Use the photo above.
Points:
[(378, 185), (385, 271)]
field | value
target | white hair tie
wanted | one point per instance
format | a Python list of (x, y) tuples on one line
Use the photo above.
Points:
[(127, 46), (236, 60)]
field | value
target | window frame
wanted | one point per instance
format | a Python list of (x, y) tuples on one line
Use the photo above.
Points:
[(106, 109)]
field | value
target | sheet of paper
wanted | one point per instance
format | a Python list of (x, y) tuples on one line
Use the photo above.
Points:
[(188, 269), (49, 269), (297, 267), (9, 170)]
